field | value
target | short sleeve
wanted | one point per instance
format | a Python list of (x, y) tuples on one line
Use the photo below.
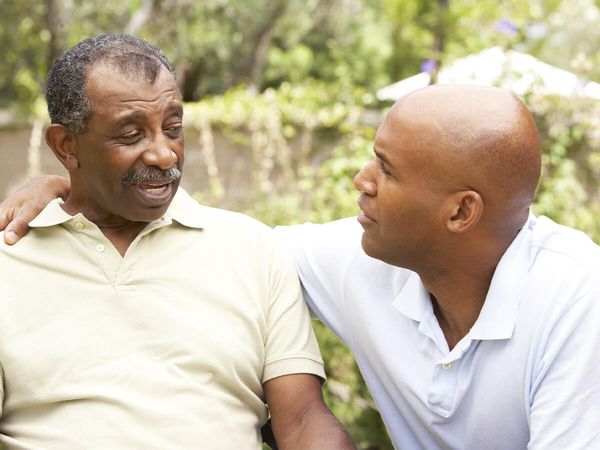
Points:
[(565, 411), (322, 254), (1, 390), (291, 346)]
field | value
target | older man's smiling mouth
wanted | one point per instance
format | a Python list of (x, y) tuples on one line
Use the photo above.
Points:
[(154, 189), (154, 193)]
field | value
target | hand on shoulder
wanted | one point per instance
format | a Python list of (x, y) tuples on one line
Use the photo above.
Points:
[(25, 204)]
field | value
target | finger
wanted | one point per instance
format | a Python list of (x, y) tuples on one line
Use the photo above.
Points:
[(4, 216), (15, 231)]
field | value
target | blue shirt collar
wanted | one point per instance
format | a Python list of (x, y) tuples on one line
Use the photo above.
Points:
[(498, 316)]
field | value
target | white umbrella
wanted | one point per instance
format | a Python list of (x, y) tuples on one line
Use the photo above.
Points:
[(516, 71)]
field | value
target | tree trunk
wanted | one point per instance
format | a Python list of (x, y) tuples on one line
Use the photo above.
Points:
[(139, 18), (260, 58), (253, 68), (55, 24), (439, 37)]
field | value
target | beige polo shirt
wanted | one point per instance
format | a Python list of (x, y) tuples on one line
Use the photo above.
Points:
[(164, 348)]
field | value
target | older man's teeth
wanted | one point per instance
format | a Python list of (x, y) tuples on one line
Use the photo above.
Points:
[(154, 190)]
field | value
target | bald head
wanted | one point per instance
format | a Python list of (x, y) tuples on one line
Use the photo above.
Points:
[(453, 176), (478, 138)]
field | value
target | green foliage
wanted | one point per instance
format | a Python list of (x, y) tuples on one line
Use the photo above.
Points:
[(567, 36), (569, 189), (23, 40), (218, 44), (291, 132)]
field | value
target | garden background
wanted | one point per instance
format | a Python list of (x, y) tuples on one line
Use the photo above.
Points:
[(282, 106)]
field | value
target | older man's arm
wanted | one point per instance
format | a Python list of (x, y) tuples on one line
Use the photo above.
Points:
[(299, 416), (26, 203)]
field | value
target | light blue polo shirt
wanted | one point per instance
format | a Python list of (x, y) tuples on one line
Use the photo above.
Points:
[(527, 375)]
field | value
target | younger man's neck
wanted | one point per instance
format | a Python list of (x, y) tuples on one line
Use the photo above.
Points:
[(457, 304)]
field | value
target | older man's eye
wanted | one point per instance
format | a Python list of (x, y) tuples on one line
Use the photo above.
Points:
[(131, 137), (174, 131)]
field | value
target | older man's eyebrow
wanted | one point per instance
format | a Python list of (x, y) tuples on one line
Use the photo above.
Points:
[(382, 157), (177, 109), (128, 118)]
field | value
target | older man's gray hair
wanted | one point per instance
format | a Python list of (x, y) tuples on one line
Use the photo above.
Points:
[(67, 101)]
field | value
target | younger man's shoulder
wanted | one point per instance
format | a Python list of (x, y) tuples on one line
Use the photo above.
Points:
[(569, 247)]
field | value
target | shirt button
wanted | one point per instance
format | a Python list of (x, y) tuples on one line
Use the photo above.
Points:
[(447, 365), (79, 226), (100, 248)]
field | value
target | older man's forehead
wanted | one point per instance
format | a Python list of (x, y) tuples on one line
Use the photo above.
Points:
[(106, 80), (128, 115), (109, 68)]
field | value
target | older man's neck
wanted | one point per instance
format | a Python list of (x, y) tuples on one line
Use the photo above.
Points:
[(120, 232), (121, 235)]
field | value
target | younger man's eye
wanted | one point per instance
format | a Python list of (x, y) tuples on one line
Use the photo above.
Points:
[(383, 169)]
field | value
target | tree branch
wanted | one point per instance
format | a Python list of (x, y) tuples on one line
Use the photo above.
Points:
[(139, 18)]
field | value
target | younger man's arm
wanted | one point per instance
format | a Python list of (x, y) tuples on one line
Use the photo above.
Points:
[(25, 204)]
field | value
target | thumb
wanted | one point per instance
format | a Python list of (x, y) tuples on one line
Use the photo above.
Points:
[(15, 230)]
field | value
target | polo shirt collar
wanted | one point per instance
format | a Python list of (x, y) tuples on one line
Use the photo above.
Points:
[(51, 215), (183, 209), (498, 316), (186, 211), (413, 300)]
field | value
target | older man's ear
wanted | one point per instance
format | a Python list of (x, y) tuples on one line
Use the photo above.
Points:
[(25, 204), (62, 143)]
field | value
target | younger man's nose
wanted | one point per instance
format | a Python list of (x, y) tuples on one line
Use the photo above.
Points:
[(363, 180)]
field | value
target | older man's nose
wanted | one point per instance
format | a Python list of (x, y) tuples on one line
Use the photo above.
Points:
[(160, 154), (363, 181)]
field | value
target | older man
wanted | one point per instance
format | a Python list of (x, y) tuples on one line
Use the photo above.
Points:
[(132, 317), (474, 323)]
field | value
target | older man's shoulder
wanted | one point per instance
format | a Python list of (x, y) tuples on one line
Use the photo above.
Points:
[(26, 244), (33, 249), (234, 220), (185, 208)]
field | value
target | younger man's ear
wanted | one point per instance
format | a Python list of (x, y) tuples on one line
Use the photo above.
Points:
[(62, 143), (466, 209)]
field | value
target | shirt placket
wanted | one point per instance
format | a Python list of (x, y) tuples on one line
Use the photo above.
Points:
[(443, 388), (98, 247)]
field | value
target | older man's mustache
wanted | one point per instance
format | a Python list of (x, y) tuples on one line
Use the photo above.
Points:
[(149, 175)]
